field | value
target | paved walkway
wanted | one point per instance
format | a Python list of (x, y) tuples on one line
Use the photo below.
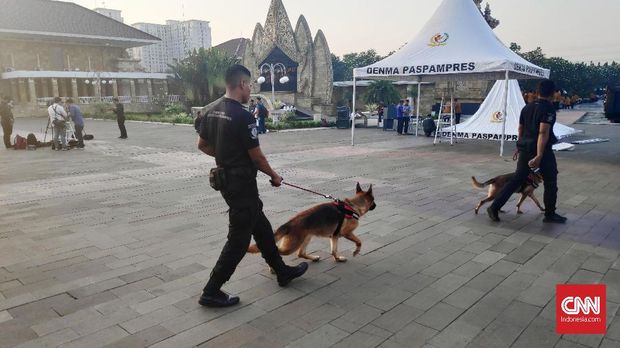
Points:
[(111, 245)]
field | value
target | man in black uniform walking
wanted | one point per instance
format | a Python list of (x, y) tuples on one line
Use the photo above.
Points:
[(534, 145), (119, 110), (229, 134)]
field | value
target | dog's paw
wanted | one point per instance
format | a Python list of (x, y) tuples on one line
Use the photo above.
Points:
[(519, 212), (315, 258), (476, 211), (356, 252), (341, 259)]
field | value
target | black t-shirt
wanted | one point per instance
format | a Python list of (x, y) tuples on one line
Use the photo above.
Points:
[(532, 115), (231, 130), (119, 110)]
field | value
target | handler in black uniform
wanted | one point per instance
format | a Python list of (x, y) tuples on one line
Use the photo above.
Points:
[(534, 146), (228, 133)]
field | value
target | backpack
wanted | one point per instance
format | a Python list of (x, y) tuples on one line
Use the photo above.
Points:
[(31, 139), (20, 143)]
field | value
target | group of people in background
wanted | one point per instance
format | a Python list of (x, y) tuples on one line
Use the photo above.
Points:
[(559, 99)]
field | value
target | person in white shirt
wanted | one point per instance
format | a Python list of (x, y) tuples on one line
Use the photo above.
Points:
[(58, 119)]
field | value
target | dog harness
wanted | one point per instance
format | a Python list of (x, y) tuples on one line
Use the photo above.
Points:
[(346, 212)]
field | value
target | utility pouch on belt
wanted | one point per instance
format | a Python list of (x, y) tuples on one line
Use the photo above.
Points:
[(217, 178)]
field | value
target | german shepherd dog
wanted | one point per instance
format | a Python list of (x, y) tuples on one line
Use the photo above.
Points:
[(328, 220), (497, 184)]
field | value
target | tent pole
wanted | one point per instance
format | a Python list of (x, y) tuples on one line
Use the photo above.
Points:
[(501, 148), (451, 83), (352, 115), (417, 109), (438, 119)]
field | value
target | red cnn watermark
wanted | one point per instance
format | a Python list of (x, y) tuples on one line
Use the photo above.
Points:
[(580, 309)]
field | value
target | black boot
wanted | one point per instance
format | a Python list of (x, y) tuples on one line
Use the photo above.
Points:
[(493, 215), (554, 219), (217, 299), (291, 273)]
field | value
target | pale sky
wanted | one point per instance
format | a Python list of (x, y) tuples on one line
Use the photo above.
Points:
[(578, 30)]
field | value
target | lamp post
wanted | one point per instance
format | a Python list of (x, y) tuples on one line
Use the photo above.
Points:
[(272, 68), (96, 81)]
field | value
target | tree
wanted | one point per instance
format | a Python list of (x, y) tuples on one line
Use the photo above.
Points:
[(343, 68), (382, 91), (493, 23), (575, 78), (202, 74)]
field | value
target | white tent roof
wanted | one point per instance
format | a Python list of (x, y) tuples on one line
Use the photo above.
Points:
[(455, 44), (487, 122)]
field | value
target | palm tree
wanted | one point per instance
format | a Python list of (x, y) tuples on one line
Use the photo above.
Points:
[(202, 73)]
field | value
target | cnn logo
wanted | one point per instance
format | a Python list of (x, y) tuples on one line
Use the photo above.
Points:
[(581, 309), (575, 305)]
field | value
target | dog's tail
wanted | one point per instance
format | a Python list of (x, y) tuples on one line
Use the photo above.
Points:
[(281, 232), (481, 185)]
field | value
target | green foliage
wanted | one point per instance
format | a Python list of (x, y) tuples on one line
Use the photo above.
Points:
[(382, 91), (102, 110), (291, 124), (182, 118), (174, 108), (343, 68), (576, 78), (202, 74)]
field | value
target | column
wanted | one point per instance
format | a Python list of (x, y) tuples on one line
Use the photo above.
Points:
[(74, 89), (114, 88), (14, 90), (132, 90), (55, 87), (149, 88), (23, 93), (33, 91), (165, 84)]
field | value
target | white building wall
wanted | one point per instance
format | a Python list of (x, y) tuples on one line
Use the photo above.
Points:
[(178, 38)]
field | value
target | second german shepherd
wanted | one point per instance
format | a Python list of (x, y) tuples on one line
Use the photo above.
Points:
[(497, 184), (328, 220)]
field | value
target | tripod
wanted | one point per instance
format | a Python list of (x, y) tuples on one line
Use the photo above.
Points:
[(70, 137)]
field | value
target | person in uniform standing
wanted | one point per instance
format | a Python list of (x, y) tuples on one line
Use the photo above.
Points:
[(406, 116), (6, 116), (399, 117), (535, 153), (458, 110), (119, 110), (229, 134)]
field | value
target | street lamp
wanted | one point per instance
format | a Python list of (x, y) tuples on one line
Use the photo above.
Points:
[(97, 81), (272, 68)]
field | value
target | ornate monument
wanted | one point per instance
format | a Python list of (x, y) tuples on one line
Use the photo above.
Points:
[(276, 51)]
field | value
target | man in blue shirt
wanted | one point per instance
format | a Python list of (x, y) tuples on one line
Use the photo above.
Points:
[(78, 121), (399, 117)]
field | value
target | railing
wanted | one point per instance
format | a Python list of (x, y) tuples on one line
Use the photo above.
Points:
[(124, 99), (43, 102)]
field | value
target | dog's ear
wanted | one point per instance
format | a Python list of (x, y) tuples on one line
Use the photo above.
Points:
[(358, 188), (369, 192)]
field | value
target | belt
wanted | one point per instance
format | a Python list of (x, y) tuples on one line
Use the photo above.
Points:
[(241, 171)]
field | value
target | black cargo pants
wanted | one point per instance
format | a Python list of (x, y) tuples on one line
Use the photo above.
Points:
[(246, 219), (549, 171)]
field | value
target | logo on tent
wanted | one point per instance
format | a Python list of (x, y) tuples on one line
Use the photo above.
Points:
[(497, 117), (439, 39)]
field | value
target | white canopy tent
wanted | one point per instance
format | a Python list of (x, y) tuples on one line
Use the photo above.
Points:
[(456, 44), (489, 122)]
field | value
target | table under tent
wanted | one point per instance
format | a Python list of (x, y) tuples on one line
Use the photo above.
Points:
[(456, 44)]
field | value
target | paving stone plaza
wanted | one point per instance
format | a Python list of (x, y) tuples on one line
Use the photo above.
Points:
[(111, 245)]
